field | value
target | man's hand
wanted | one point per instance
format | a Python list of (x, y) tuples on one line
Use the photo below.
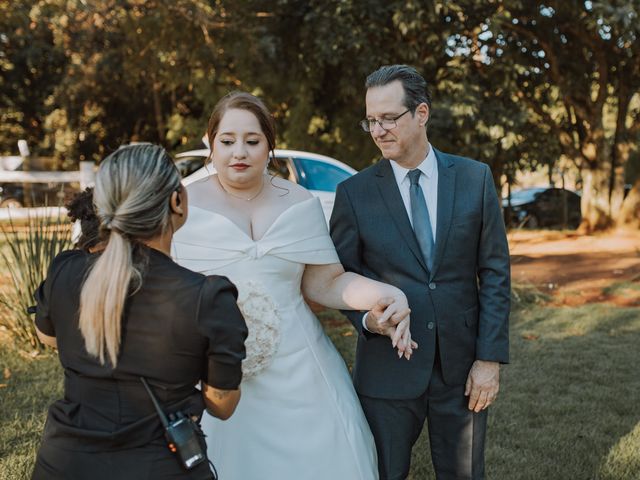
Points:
[(390, 317), (482, 384)]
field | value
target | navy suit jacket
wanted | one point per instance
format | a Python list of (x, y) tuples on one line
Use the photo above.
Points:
[(464, 300)]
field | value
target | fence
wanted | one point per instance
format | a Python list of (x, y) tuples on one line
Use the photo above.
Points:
[(85, 176)]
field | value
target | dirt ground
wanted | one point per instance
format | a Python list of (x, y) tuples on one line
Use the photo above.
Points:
[(577, 269)]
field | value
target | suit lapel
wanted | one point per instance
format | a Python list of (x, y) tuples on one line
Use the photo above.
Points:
[(391, 196), (446, 194)]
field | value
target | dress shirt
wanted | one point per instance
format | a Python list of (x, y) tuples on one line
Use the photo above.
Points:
[(429, 184)]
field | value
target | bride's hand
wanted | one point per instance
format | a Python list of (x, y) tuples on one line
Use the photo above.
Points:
[(404, 342), (390, 317)]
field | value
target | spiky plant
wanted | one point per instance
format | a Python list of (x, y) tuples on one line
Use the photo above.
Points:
[(26, 254)]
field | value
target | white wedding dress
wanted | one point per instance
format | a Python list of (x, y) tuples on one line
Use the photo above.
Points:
[(298, 416)]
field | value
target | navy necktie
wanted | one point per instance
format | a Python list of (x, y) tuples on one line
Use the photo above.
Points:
[(420, 217)]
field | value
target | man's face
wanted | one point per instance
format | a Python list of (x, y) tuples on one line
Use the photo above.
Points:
[(406, 142)]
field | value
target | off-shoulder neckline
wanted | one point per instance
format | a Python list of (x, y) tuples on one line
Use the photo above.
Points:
[(268, 231)]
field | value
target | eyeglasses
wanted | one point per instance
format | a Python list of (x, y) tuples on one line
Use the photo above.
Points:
[(368, 124)]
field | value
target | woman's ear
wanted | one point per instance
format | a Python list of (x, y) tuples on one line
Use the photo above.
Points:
[(176, 202)]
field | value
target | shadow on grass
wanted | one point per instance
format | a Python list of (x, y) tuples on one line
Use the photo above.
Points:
[(568, 396), (567, 408), (568, 402)]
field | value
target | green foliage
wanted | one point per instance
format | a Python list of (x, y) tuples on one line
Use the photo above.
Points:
[(27, 253), (516, 84)]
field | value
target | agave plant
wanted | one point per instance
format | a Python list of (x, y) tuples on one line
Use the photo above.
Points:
[(27, 253)]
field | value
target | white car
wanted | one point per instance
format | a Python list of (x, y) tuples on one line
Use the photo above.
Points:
[(317, 173)]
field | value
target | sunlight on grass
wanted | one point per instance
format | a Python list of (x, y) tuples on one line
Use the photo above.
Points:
[(619, 288), (623, 460)]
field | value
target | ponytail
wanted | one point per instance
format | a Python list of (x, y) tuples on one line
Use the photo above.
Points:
[(103, 297), (131, 197)]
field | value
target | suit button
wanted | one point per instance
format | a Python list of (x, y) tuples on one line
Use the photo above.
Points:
[(430, 325), (432, 286)]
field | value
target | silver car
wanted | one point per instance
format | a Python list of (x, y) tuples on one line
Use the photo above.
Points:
[(317, 173)]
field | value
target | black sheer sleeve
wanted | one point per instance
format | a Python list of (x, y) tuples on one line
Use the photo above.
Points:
[(43, 294), (220, 320)]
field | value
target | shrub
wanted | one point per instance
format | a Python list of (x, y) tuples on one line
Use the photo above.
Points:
[(27, 253)]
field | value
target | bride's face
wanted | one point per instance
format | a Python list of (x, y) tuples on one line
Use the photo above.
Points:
[(240, 149)]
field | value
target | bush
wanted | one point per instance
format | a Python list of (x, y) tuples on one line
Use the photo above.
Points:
[(27, 253)]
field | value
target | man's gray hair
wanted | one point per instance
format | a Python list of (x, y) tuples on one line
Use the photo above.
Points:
[(416, 90)]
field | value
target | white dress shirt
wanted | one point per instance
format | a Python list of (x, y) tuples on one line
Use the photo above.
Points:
[(429, 184)]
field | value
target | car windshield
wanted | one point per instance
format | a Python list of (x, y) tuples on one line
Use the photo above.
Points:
[(320, 176), (526, 195)]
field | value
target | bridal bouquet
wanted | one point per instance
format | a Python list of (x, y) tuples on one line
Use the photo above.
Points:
[(260, 313)]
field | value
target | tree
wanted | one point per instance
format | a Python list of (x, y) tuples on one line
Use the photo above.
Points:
[(31, 66), (515, 84), (578, 70)]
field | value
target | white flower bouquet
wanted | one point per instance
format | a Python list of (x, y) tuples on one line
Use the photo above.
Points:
[(261, 314)]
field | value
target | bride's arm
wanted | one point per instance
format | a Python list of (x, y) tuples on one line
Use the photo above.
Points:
[(331, 286)]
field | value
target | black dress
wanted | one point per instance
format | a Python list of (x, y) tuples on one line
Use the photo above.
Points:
[(179, 328)]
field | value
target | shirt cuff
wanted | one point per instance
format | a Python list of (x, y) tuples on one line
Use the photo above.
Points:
[(364, 322)]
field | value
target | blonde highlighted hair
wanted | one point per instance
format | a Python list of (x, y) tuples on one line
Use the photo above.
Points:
[(132, 200)]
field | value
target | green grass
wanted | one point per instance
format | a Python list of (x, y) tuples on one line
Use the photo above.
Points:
[(32, 384), (619, 288), (568, 406)]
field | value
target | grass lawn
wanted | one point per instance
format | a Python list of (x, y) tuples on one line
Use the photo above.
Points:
[(569, 401), (568, 407)]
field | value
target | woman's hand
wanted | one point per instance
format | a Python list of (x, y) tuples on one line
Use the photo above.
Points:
[(390, 317)]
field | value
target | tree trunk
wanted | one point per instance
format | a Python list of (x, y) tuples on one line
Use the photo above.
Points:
[(629, 214), (157, 109), (621, 147), (497, 168), (595, 200), (617, 181)]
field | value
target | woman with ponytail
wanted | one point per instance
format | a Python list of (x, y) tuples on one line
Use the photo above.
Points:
[(130, 312)]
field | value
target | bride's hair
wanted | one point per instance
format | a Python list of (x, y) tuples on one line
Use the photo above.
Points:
[(243, 101), (132, 201)]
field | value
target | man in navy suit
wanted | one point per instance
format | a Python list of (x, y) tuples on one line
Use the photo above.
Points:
[(429, 223)]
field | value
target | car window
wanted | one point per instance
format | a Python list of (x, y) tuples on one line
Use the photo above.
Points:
[(318, 175), (526, 195)]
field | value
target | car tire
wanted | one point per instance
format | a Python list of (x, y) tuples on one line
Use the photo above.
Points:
[(11, 202)]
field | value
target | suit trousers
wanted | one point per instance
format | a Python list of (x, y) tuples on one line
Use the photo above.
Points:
[(456, 434)]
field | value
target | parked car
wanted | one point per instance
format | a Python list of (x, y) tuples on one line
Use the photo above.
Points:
[(317, 173), (627, 189), (542, 207)]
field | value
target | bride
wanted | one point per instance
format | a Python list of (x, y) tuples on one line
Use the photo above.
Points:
[(299, 416)]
